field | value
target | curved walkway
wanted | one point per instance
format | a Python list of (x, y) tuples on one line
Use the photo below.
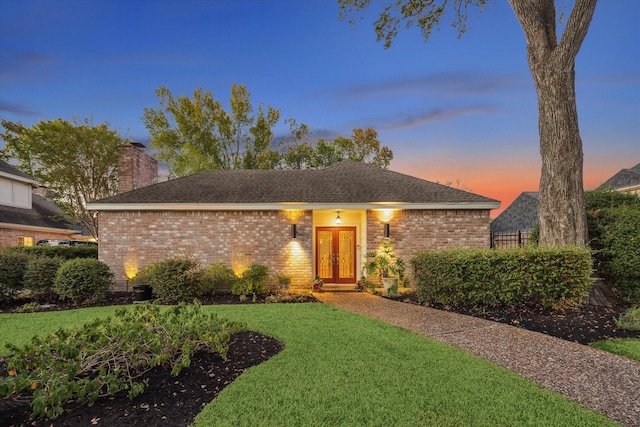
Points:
[(598, 380)]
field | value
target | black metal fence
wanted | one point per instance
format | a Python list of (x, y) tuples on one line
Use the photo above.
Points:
[(516, 239)]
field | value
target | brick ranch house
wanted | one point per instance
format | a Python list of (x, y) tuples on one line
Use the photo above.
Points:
[(300, 223)]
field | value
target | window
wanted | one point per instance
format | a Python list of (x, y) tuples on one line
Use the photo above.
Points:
[(25, 241)]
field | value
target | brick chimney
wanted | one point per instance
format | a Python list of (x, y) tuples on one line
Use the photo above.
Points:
[(136, 169)]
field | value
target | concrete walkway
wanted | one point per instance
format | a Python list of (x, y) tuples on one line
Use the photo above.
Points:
[(602, 381)]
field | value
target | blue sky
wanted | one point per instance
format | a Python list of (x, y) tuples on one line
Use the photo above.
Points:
[(451, 109)]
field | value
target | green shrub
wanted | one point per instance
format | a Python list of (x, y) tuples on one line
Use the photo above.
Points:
[(12, 268), (66, 252), (105, 356), (173, 280), (551, 278), (217, 278), (40, 275), (605, 199), (30, 307), (83, 280), (615, 237), (252, 282), (630, 320)]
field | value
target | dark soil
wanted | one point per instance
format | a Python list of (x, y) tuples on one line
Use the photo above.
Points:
[(167, 400), (585, 325), (175, 401)]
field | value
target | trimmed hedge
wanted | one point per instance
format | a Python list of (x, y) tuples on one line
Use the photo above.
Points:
[(614, 234), (83, 279), (39, 277), (554, 278), (66, 252), (12, 268), (173, 280)]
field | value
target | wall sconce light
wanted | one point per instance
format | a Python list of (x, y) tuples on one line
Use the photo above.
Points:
[(338, 219), (386, 230), (294, 231)]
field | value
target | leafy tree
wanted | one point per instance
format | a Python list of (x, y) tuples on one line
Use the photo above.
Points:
[(363, 146), (76, 161), (196, 134), (561, 212)]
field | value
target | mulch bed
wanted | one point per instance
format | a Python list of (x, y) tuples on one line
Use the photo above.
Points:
[(585, 325), (175, 401)]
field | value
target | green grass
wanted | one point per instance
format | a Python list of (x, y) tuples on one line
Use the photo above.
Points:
[(19, 328), (627, 347), (339, 368)]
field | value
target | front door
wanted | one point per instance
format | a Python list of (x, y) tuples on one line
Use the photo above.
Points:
[(336, 254)]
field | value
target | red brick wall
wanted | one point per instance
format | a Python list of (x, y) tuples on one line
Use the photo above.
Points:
[(240, 238), (9, 236), (237, 238), (415, 231), (136, 169)]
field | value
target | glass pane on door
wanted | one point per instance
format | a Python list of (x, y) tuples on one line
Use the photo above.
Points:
[(346, 245), (325, 254)]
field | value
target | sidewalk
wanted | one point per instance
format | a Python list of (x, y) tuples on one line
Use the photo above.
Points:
[(598, 380)]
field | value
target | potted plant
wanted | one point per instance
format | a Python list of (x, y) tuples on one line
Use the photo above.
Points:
[(317, 284), (361, 283), (389, 267)]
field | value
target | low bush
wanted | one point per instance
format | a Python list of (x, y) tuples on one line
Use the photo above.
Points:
[(83, 280), (550, 278), (107, 356), (39, 277), (252, 282), (630, 319), (173, 280), (217, 278), (12, 268)]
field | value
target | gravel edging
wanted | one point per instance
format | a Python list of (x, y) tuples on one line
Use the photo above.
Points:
[(604, 382)]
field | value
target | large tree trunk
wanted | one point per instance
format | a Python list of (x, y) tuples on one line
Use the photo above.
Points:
[(561, 211)]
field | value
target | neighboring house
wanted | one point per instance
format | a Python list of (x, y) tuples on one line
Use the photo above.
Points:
[(300, 223), (626, 181), (25, 216), (513, 226), (521, 215)]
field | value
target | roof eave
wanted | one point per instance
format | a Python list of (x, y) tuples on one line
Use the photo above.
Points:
[(39, 228), (18, 178), (287, 206)]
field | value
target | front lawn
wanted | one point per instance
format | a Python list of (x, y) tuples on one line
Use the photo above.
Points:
[(624, 347), (339, 368)]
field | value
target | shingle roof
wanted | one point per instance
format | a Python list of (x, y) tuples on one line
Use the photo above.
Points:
[(346, 182), (623, 179), (44, 213), (521, 215), (8, 169)]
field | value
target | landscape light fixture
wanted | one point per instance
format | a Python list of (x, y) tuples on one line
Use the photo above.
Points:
[(386, 230), (294, 231), (338, 219)]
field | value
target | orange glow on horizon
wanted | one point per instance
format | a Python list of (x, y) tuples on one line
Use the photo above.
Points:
[(501, 179)]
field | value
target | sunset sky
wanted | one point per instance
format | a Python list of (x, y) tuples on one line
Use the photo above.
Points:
[(451, 109)]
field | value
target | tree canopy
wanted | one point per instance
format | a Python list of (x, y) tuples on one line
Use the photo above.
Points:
[(561, 212), (76, 161), (364, 146), (195, 134)]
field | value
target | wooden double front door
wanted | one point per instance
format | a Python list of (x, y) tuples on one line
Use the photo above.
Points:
[(336, 254)]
